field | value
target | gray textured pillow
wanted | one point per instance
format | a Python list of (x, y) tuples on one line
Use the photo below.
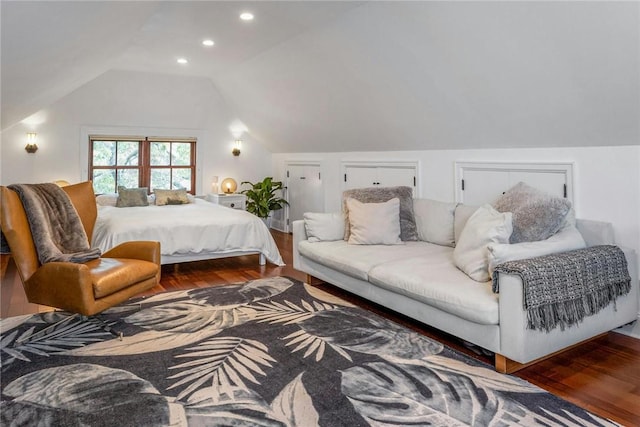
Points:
[(129, 197), (536, 215), (408, 231)]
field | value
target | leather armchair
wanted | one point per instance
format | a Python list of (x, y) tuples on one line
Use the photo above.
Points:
[(88, 288)]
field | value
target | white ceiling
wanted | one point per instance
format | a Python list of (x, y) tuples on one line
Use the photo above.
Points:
[(354, 76)]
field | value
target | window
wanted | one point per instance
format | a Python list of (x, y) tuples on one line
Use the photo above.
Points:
[(167, 163)]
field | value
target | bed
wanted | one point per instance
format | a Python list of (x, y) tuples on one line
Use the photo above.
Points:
[(190, 232)]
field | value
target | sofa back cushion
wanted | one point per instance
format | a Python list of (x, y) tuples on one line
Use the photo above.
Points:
[(435, 221), (461, 216)]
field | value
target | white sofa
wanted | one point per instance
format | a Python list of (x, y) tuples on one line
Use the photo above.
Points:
[(420, 280)]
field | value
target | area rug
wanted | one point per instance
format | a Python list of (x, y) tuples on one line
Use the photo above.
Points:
[(269, 352)]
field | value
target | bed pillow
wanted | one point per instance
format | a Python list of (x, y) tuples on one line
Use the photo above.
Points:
[(107, 199), (567, 239), (171, 197), (434, 221), (130, 197), (324, 227), (485, 226), (408, 230), (374, 223), (536, 215)]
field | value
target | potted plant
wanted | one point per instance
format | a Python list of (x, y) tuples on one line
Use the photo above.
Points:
[(262, 198)]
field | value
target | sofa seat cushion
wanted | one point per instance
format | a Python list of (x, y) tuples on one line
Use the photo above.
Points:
[(111, 275), (435, 280), (357, 260)]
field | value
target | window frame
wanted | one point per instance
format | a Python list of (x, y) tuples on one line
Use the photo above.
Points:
[(144, 166)]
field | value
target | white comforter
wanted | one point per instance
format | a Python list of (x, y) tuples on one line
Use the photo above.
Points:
[(190, 229)]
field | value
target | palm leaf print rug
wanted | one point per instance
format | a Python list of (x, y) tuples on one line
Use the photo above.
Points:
[(269, 352)]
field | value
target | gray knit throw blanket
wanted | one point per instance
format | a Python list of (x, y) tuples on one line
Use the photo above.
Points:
[(563, 288), (55, 225)]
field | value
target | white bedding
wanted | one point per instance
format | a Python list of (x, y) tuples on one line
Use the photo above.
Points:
[(199, 228)]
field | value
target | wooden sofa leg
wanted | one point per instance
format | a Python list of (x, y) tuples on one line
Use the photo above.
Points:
[(312, 280), (507, 366)]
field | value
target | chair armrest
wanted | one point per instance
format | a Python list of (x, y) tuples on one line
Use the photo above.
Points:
[(143, 250), (64, 285)]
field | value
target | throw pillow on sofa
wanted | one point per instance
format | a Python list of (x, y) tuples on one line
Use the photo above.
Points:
[(383, 194), (374, 223), (567, 239), (324, 227), (536, 215), (434, 221), (485, 226)]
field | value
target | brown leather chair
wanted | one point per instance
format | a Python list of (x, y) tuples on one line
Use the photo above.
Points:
[(88, 288)]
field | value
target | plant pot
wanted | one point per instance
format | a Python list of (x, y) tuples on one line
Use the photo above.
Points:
[(267, 221)]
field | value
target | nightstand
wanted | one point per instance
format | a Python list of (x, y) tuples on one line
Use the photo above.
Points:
[(234, 201)]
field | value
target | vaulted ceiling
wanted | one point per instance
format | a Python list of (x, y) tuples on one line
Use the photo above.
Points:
[(353, 76)]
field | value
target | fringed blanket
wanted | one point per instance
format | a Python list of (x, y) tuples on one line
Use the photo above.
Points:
[(563, 288), (56, 228)]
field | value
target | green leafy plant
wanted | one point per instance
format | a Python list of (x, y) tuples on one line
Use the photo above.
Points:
[(262, 198)]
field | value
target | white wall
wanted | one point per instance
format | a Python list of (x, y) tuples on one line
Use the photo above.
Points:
[(140, 103), (606, 179)]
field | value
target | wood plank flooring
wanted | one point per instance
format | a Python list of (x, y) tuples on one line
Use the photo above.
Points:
[(602, 375)]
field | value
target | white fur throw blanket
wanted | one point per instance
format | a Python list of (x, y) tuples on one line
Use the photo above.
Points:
[(56, 228)]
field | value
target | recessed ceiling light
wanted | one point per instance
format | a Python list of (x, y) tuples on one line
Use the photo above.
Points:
[(182, 61), (246, 16), (208, 42)]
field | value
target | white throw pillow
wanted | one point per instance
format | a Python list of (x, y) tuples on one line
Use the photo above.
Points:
[(564, 240), (485, 226), (107, 199), (374, 223), (324, 227), (434, 221)]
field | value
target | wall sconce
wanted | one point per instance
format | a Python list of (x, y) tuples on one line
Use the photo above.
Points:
[(31, 146), (229, 185), (236, 147)]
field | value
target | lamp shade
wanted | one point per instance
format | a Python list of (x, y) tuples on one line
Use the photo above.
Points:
[(229, 185)]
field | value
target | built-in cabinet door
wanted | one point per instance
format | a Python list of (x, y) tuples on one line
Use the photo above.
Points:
[(479, 183), (379, 175), (304, 191)]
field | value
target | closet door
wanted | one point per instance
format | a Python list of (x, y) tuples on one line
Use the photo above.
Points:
[(478, 182), (304, 191), (360, 177), (365, 174)]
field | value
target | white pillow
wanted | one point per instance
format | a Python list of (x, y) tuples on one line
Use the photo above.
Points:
[(434, 221), (107, 199), (485, 226), (374, 223), (324, 227), (567, 239)]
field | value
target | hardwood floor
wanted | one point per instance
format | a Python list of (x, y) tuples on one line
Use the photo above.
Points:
[(602, 375)]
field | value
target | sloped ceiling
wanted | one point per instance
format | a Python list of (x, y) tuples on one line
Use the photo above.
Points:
[(355, 76)]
